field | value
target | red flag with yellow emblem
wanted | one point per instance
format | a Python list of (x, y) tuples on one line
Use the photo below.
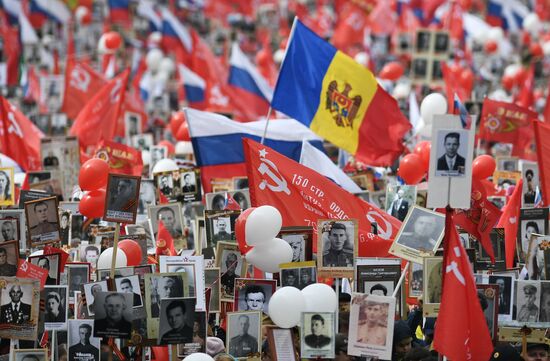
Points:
[(165, 242)]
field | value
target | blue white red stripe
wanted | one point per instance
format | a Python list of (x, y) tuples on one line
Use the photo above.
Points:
[(244, 75), (173, 28), (510, 13), (461, 110), (147, 10), (53, 9), (194, 85)]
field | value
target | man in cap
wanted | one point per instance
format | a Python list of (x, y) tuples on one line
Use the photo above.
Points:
[(529, 312)]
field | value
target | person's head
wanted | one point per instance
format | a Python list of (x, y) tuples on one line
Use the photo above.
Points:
[(4, 183), (402, 338), (175, 313), (53, 301), (8, 231), (64, 220), (85, 331), (231, 262), (115, 305), (92, 254), (126, 286), (338, 236), (537, 352), (125, 188), (44, 263), (95, 289), (196, 326), (424, 226), (164, 181), (297, 245), (187, 179), (530, 293), (529, 175), (531, 227), (373, 312), (244, 324), (317, 324), (167, 216), (305, 276), (218, 202), (501, 284), (222, 225), (290, 279), (16, 293), (169, 287), (451, 143), (3, 256), (254, 297), (400, 193), (379, 289), (241, 199), (41, 211)]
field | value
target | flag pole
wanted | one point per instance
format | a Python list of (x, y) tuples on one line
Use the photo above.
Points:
[(403, 274), (266, 124)]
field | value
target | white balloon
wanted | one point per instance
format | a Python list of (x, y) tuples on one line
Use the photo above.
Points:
[(278, 56), (401, 90), (102, 47), (165, 165), (512, 70), (433, 104), (546, 48), (198, 356), (146, 157), (106, 257), (263, 224), (184, 147), (286, 306), (320, 297), (426, 131), (155, 37), (80, 13), (270, 254), (495, 34), (153, 59), (167, 65), (362, 58), (499, 95), (532, 23), (161, 78)]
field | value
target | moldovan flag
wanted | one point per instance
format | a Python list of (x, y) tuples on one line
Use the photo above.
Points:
[(462, 335), (97, 120), (303, 196), (339, 99), (82, 82), (19, 137)]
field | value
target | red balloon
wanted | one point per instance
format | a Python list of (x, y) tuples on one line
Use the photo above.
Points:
[(263, 57), (113, 40), (536, 50), (132, 251), (92, 203), (183, 132), (467, 79), (240, 230), (411, 169), (391, 71), (167, 144), (483, 167), (86, 19), (175, 121), (508, 82), (491, 46), (423, 149), (93, 174)]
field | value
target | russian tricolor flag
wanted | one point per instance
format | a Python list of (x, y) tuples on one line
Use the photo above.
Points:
[(119, 11), (147, 10), (175, 36), (194, 87), (248, 83), (55, 10), (508, 14), (217, 142)]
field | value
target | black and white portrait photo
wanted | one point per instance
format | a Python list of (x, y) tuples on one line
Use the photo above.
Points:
[(534, 262), (30, 355), (300, 239), (90, 292), (147, 196), (171, 217), (253, 294), (113, 314), (416, 280), (16, 308), (421, 231), (7, 191), (132, 124), (9, 256), (163, 285), (78, 274), (90, 253), (433, 284), (19, 301), (530, 176), (337, 243), (211, 280), (452, 148), (423, 41), (220, 226), (55, 299), (317, 338), (189, 182), (176, 320), (232, 266), (399, 198), (9, 229), (290, 277), (528, 301), (157, 153), (505, 285), (49, 262), (142, 141), (441, 42), (532, 221), (165, 183), (544, 302), (380, 288), (43, 220), (488, 299), (508, 164), (122, 198), (420, 68), (130, 285), (83, 346), (216, 201), (243, 333)]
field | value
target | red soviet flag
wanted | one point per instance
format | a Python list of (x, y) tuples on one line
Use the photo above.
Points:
[(19, 137), (165, 242), (97, 120), (542, 140), (460, 335), (509, 221), (82, 82), (303, 196), (480, 218)]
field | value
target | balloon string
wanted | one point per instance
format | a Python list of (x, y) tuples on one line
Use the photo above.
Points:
[(222, 274)]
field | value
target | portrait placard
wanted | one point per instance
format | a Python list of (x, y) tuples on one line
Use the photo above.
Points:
[(419, 235), (216, 201), (253, 294), (38, 354), (7, 186), (371, 325), (193, 269), (56, 301), (488, 296), (62, 155), (451, 152), (301, 241), (433, 280), (504, 180), (298, 274), (19, 307), (399, 198), (130, 285), (507, 164), (531, 220), (19, 216), (505, 283), (318, 335), (190, 185), (416, 280), (122, 198), (78, 273), (528, 295), (243, 336), (336, 247), (113, 314), (232, 266), (220, 226), (171, 216), (90, 292), (377, 275), (534, 262), (51, 262), (198, 343), (9, 228), (531, 181), (82, 345), (42, 221), (177, 317), (9, 258)]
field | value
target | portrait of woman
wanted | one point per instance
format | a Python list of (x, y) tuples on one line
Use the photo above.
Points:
[(55, 311)]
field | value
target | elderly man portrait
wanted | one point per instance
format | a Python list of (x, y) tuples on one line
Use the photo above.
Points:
[(16, 311), (114, 321)]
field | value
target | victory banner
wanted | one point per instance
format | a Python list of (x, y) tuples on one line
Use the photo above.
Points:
[(303, 196)]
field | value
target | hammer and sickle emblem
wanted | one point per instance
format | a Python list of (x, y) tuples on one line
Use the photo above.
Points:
[(14, 126), (80, 79), (384, 231), (266, 169)]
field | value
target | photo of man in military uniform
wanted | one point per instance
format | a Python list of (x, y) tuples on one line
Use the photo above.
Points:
[(317, 339), (528, 311), (83, 350), (43, 214), (176, 316), (6, 268), (340, 253), (243, 344)]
